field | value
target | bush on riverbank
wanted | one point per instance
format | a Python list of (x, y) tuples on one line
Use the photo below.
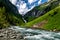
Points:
[(3, 21)]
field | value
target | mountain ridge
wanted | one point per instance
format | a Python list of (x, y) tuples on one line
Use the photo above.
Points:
[(48, 21), (40, 10)]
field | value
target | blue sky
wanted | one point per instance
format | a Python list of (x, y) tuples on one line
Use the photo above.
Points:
[(24, 6), (44, 1)]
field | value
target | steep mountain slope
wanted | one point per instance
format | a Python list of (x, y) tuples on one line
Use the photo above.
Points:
[(40, 10), (9, 14), (49, 21)]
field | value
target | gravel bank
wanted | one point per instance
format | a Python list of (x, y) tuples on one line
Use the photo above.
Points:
[(9, 34)]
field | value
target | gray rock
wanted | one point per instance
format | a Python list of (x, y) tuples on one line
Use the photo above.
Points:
[(8, 34)]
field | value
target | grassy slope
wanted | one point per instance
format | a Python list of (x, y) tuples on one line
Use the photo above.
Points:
[(53, 20), (45, 7)]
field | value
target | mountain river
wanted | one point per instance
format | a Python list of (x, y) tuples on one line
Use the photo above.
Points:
[(35, 34)]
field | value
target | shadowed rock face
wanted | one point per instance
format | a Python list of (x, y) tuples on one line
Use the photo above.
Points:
[(36, 12), (9, 6)]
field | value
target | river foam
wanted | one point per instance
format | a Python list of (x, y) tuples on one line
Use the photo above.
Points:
[(35, 34)]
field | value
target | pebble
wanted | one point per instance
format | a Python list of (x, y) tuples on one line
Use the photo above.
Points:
[(9, 34)]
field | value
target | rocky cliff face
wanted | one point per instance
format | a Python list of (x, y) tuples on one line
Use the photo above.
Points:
[(41, 10), (9, 6)]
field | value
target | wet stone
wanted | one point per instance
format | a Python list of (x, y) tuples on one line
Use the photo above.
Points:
[(13, 37), (9, 34), (1, 35)]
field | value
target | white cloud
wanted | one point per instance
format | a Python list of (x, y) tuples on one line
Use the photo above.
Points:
[(13, 1), (22, 6), (31, 1), (39, 2), (23, 11)]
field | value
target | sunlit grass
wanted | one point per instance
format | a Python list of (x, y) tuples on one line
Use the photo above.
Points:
[(53, 20)]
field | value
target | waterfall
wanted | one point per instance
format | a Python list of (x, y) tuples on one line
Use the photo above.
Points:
[(24, 20)]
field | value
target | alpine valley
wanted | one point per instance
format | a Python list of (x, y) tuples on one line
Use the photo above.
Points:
[(44, 16), (30, 19)]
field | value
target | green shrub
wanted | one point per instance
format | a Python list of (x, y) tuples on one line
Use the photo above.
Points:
[(3, 21)]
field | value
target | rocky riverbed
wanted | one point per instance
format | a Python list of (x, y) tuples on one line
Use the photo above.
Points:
[(9, 34), (18, 33)]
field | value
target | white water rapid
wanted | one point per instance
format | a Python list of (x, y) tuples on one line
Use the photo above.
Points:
[(34, 34)]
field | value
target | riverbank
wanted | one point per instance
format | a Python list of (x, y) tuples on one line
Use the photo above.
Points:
[(35, 34), (18, 33), (37, 28), (9, 34)]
